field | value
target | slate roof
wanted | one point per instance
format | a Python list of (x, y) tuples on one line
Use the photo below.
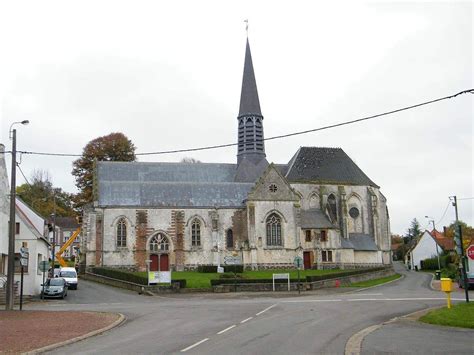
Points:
[(314, 218), (325, 165), (249, 102), (359, 242), (169, 185)]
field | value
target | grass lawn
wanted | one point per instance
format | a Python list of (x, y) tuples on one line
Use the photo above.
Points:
[(375, 282), (460, 315), (203, 280)]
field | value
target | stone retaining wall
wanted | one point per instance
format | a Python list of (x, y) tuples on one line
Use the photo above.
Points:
[(173, 288)]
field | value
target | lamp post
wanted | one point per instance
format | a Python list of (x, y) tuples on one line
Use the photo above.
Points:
[(11, 236), (436, 241)]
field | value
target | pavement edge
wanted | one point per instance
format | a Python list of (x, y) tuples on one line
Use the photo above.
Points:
[(116, 323), (354, 344)]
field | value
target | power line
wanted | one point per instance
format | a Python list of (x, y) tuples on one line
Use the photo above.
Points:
[(468, 91), (466, 198), (444, 213), (24, 177)]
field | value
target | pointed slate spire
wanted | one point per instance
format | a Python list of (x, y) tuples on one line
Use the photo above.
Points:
[(249, 103), (250, 133)]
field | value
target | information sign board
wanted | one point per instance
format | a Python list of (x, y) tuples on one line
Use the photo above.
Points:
[(159, 277), (232, 260), (24, 252), (24, 261), (298, 261)]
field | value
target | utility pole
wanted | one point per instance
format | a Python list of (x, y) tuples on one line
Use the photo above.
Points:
[(11, 229), (461, 254), (436, 241), (10, 293)]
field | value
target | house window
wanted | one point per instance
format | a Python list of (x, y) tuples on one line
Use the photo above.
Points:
[(230, 239), (121, 233), (308, 235), (159, 243), (324, 236), (18, 265), (196, 233), (274, 230), (326, 255), (17, 228)]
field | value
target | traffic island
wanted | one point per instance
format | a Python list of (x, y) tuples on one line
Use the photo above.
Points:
[(38, 331)]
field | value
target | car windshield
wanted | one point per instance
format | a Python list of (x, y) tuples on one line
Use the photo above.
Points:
[(56, 282), (67, 274)]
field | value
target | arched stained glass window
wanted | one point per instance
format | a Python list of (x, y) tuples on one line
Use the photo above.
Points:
[(159, 243), (274, 230), (196, 233), (121, 236)]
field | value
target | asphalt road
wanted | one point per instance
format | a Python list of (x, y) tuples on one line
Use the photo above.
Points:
[(317, 322)]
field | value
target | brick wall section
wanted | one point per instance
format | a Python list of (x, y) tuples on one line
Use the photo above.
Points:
[(239, 227), (141, 231), (176, 233), (98, 240)]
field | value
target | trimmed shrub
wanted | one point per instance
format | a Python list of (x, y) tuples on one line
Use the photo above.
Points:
[(182, 282), (120, 275), (207, 268), (238, 269)]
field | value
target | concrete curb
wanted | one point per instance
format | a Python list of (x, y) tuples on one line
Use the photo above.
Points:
[(119, 321), (354, 344)]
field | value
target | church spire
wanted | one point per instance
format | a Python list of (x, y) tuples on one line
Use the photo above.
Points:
[(251, 145)]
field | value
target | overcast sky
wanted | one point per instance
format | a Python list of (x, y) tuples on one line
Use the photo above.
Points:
[(168, 75)]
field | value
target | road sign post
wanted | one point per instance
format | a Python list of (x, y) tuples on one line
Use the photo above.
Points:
[(298, 261), (44, 265)]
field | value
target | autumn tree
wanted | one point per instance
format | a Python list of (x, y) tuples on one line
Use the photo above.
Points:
[(467, 233), (113, 147), (44, 198)]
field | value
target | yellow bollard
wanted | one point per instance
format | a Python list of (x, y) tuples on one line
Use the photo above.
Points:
[(447, 286)]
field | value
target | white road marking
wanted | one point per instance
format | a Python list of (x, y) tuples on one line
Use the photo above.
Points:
[(226, 329), (369, 294), (266, 309), (306, 301), (246, 320), (194, 345)]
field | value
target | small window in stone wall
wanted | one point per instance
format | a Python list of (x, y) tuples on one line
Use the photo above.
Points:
[(273, 188), (354, 212), (308, 235), (326, 255), (324, 236)]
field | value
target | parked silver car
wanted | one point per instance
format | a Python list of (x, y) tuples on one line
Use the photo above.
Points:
[(56, 287)]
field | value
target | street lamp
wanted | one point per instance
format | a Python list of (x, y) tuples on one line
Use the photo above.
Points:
[(11, 236), (436, 240)]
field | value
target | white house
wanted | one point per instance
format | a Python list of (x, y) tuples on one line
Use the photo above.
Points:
[(29, 232), (426, 247)]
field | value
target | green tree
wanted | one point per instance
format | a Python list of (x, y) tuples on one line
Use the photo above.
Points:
[(44, 198), (467, 233), (414, 230), (113, 147)]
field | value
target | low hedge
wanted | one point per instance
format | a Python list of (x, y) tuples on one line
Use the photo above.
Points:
[(120, 275), (227, 268), (343, 273), (250, 281), (129, 276)]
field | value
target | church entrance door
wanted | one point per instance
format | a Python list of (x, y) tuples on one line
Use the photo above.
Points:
[(159, 262), (307, 260)]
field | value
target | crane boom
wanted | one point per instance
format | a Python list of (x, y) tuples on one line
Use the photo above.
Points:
[(66, 245)]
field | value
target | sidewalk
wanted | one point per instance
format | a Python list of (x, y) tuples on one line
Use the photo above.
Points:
[(23, 331)]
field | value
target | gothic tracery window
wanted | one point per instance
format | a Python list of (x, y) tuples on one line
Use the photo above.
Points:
[(196, 233), (274, 230), (159, 243), (121, 235)]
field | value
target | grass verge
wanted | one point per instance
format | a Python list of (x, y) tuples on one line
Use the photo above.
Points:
[(375, 282), (460, 315)]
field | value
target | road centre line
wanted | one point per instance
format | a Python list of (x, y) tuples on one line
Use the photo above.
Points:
[(226, 329), (195, 344), (266, 309), (369, 294), (374, 299), (245, 320)]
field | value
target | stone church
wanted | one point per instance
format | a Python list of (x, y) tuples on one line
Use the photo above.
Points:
[(319, 206)]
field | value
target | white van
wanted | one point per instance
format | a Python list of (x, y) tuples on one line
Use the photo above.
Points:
[(70, 275)]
